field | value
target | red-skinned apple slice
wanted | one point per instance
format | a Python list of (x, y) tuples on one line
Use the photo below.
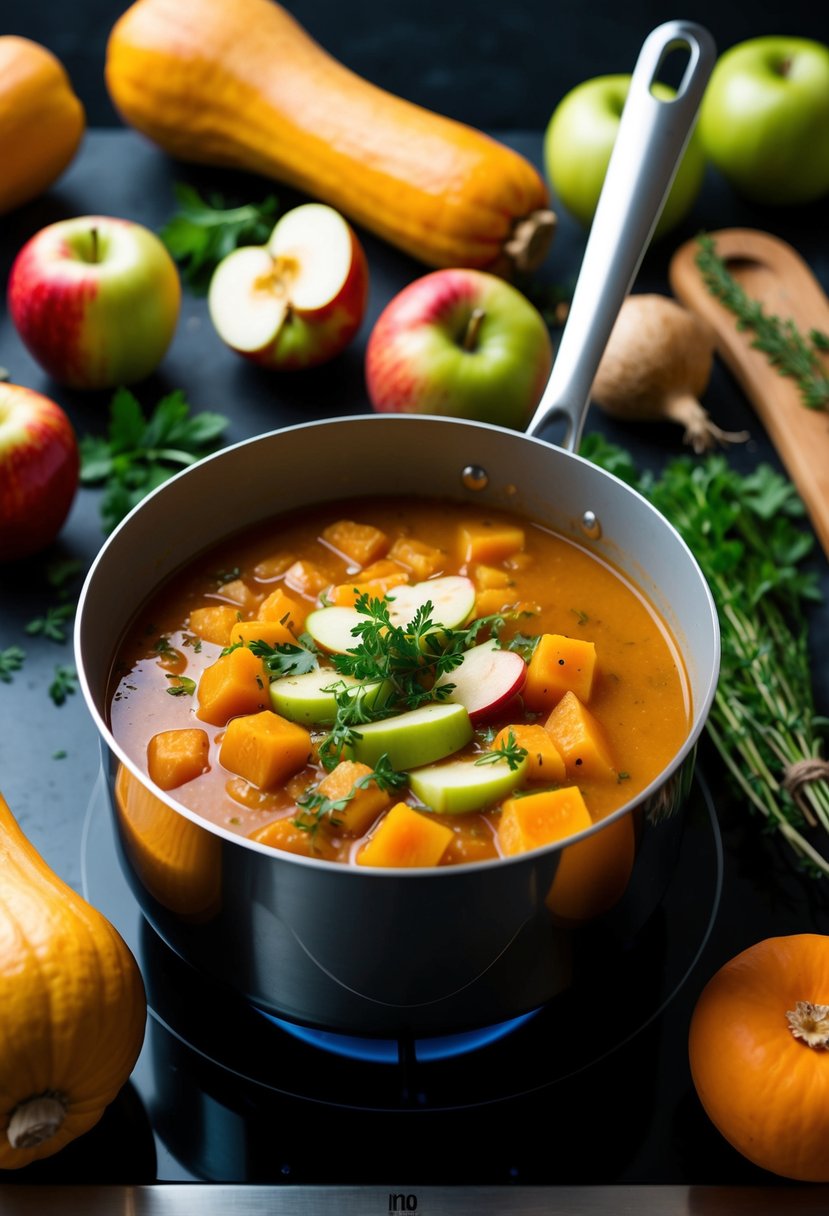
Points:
[(486, 680), (297, 301)]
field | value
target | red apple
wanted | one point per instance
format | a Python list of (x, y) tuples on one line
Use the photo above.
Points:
[(297, 301), (463, 343), (38, 470), (96, 300), (485, 680)]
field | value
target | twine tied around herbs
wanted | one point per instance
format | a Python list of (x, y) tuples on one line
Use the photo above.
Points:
[(800, 774)]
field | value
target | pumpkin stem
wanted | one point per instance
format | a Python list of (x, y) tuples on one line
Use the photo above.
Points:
[(527, 245), (36, 1120), (810, 1023)]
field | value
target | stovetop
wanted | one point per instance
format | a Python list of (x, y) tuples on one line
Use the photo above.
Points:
[(227, 1096)]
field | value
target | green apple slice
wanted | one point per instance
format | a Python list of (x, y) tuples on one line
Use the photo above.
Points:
[(452, 598), (331, 628), (462, 786), (308, 698), (415, 738)]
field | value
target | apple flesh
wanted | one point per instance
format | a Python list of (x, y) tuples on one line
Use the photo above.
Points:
[(308, 698), (462, 786), (462, 343), (95, 300), (578, 142), (415, 738), (764, 119), (452, 598), (297, 301), (38, 471), (486, 680)]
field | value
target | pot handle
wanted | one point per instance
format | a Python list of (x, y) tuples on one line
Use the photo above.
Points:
[(651, 139)]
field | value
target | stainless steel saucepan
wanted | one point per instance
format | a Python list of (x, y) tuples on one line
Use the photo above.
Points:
[(424, 951)]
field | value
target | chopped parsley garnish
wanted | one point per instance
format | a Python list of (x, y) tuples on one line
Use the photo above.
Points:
[(508, 749), (181, 686), (315, 807), (283, 659), (64, 683), (52, 624), (11, 660)]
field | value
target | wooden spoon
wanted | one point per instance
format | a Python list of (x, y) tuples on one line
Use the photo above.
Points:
[(775, 275)]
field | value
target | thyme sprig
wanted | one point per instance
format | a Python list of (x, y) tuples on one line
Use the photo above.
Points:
[(745, 532), (508, 749), (785, 347)]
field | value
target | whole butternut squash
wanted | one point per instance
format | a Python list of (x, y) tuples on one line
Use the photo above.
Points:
[(243, 85), (41, 120), (72, 1006)]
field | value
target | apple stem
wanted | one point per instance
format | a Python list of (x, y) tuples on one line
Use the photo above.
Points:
[(470, 337), (96, 253)]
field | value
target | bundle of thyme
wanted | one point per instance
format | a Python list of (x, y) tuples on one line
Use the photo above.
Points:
[(744, 531)]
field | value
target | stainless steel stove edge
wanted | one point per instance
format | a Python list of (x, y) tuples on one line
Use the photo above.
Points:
[(196, 1199)]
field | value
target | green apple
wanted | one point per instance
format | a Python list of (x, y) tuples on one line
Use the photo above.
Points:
[(462, 786), (452, 599), (579, 140), (96, 300), (462, 343), (764, 119), (415, 738), (312, 697)]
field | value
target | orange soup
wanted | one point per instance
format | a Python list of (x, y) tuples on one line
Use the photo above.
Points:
[(394, 683)]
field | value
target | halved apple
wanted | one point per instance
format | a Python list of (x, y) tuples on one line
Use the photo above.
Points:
[(415, 738), (462, 786), (332, 628), (297, 301), (486, 679), (308, 698)]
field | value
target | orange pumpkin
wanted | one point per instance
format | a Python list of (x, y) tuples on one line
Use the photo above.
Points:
[(759, 1054), (41, 120)]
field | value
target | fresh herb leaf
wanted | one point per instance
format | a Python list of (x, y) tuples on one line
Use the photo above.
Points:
[(227, 576), (181, 686), (53, 624), (62, 571), (785, 347), (525, 644), (60, 754), (508, 749), (283, 659), (64, 683), (141, 452), (11, 660), (203, 231), (746, 532)]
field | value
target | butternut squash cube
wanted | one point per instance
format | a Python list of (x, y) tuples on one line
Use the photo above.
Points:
[(284, 834), (214, 622), (381, 569), (236, 683), (541, 819), (279, 606), (177, 756), (362, 543), (364, 804), (580, 739), (493, 601), (544, 760), (307, 579), (240, 594), (273, 566), (264, 748), (488, 577), (423, 560), (405, 837), (559, 665), (489, 542), (346, 594), (272, 632)]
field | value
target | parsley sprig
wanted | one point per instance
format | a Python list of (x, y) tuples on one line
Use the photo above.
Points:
[(203, 231), (11, 660), (785, 347), (139, 453), (745, 531), (283, 659), (410, 657), (316, 807), (53, 623)]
